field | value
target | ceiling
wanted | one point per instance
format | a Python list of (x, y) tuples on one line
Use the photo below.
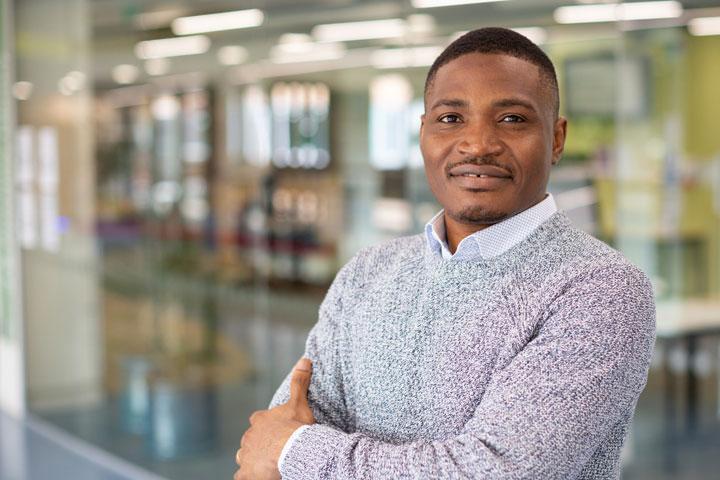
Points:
[(115, 29)]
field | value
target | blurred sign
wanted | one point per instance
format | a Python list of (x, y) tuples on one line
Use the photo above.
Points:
[(24, 179), (301, 125), (256, 126), (605, 85), (390, 97), (48, 179)]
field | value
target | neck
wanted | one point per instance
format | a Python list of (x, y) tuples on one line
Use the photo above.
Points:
[(456, 231)]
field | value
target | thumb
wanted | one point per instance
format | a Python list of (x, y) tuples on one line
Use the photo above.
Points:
[(300, 381)]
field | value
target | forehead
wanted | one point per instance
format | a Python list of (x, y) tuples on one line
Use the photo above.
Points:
[(481, 76)]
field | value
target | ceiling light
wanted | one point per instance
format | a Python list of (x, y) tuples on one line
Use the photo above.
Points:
[(157, 66), (311, 52), (536, 35), (421, 23), (447, 3), (612, 12), (232, 55), (125, 74), (172, 47), (586, 13), (341, 32), (216, 22), (405, 57), (294, 38), (704, 26), (649, 10)]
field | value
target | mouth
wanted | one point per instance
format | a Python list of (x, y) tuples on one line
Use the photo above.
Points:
[(479, 177)]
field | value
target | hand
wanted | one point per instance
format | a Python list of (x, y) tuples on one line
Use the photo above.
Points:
[(262, 443)]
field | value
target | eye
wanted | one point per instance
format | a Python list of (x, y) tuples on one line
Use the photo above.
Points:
[(512, 119), (449, 118)]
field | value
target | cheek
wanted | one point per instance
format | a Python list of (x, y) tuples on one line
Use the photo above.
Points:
[(434, 152), (534, 158)]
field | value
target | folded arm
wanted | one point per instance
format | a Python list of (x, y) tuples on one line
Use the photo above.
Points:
[(542, 416), (326, 395)]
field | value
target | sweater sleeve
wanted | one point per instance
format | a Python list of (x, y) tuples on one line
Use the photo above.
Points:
[(542, 416), (326, 394)]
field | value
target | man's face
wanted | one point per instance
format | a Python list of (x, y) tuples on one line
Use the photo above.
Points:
[(489, 137)]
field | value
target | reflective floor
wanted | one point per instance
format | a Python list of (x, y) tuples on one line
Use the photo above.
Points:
[(34, 450), (656, 449)]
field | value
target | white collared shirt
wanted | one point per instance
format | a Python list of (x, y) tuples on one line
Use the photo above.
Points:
[(493, 240)]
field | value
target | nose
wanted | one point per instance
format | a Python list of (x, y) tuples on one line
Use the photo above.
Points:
[(479, 141)]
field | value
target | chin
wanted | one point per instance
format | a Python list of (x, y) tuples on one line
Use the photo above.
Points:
[(478, 214)]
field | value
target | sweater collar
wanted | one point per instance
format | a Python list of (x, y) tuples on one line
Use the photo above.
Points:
[(493, 240)]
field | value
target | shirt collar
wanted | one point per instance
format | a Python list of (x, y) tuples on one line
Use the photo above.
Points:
[(493, 240)]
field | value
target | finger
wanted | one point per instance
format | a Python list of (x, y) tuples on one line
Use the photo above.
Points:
[(254, 416), (300, 381)]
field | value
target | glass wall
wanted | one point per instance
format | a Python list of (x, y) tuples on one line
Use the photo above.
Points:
[(184, 206)]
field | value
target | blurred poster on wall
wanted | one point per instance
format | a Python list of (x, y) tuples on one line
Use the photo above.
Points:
[(166, 114), (300, 113), (390, 97), (27, 233), (196, 127), (48, 180), (256, 125)]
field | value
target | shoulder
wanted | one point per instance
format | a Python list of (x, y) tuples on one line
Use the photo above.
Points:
[(591, 276), (576, 254)]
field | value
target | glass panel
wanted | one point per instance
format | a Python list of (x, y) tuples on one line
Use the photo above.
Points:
[(182, 218)]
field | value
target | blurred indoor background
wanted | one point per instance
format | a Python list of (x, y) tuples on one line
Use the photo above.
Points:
[(179, 190)]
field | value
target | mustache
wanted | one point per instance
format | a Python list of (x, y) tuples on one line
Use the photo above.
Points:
[(479, 161)]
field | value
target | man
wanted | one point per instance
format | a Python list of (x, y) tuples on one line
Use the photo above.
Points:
[(501, 344)]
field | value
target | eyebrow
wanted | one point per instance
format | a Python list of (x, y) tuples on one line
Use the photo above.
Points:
[(514, 102), (502, 103), (449, 102)]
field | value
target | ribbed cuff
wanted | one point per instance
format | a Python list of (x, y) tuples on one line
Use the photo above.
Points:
[(313, 449), (289, 442)]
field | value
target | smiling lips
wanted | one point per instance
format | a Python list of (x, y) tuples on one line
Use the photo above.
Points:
[(479, 177)]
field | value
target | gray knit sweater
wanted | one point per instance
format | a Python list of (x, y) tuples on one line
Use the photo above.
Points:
[(524, 366)]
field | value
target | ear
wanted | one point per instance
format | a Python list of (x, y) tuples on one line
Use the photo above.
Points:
[(559, 134)]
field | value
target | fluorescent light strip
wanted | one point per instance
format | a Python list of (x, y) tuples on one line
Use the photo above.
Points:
[(172, 47), (313, 52), (217, 22), (704, 26), (586, 13), (613, 12), (448, 3), (536, 35), (342, 32), (649, 10), (405, 57)]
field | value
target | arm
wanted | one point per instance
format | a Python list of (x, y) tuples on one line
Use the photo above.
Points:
[(541, 417), (326, 394)]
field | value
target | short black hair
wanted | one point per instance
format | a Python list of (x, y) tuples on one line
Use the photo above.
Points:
[(499, 41)]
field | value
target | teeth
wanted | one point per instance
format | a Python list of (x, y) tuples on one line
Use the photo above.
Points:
[(473, 175)]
